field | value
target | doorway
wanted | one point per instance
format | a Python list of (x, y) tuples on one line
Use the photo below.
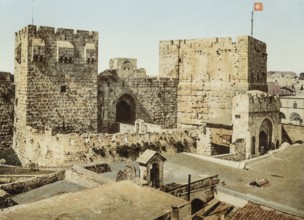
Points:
[(155, 175), (265, 136), (126, 109)]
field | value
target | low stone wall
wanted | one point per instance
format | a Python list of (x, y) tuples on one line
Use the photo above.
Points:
[(45, 149), (32, 183), (139, 127), (229, 163), (13, 170), (126, 128), (295, 132), (84, 177)]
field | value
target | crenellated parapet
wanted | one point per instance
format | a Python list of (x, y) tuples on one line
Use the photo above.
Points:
[(259, 101), (34, 30), (58, 46)]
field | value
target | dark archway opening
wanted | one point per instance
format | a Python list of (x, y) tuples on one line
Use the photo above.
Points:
[(265, 136), (277, 144), (154, 175), (253, 146), (263, 142), (282, 115), (125, 110), (295, 117), (196, 205)]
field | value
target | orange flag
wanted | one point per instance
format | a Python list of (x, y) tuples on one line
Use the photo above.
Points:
[(258, 6)]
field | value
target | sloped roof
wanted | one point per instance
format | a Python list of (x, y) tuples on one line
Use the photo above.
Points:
[(147, 156), (256, 212)]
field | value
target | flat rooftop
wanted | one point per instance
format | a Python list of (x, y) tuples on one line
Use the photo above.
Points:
[(119, 200), (47, 191), (283, 170)]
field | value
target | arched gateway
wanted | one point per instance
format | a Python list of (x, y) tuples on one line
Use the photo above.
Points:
[(126, 109), (265, 136)]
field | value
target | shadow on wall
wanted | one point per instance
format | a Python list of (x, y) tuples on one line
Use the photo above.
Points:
[(10, 156), (285, 136), (292, 133)]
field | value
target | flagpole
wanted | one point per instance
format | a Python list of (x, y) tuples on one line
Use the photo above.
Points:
[(252, 18), (32, 12), (251, 23)]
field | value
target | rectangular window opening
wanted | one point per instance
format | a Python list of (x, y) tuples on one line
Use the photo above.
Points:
[(63, 88)]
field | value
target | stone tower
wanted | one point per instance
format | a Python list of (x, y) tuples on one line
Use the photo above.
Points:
[(210, 72), (126, 68), (56, 81)]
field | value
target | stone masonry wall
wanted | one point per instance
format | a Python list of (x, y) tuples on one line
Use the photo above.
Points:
[(25, 185), (210, 72), (67, 149), (20, 74), (7, 94), (56, 81), (7, 98), (155, 99)]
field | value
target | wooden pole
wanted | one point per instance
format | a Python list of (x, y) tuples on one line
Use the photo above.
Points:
[(189, 187)]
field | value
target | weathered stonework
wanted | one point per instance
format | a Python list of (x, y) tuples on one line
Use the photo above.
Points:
[(48, 150), (256, 120), (7, 94), (151, 99), (127, 68), (56, 81), (211, 72)]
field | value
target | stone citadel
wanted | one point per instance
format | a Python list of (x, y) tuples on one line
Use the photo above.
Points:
[(211, 92), (118, 134)]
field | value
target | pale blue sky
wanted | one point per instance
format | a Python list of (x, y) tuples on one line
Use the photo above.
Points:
[(133, 28)]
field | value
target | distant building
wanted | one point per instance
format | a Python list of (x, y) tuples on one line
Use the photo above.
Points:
[(282, 78), (292, 109), (274, 89)]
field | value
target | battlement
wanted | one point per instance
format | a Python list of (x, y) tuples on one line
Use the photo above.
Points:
[(258, 100), (204, 41), (255, 95), (34, 30)]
